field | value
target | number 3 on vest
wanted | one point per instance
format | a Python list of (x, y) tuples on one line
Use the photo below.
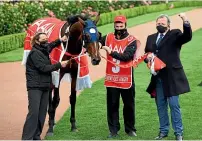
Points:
[(116, 69)]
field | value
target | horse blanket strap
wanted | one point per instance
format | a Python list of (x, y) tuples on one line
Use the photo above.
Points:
[(72, 55)]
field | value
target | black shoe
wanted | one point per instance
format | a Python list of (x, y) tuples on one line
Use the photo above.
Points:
[(132, 134), (112, 135), (179, 138), (161, 136), (36, 138)]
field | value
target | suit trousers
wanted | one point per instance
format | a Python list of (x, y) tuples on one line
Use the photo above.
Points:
[(113, 98), (38, 102)]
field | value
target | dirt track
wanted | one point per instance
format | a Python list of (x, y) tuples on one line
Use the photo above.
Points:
[(13, 102)]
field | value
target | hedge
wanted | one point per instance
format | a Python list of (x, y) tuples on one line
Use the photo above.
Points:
[(15, 41), (107, 18), (11, 42), (15, 16)]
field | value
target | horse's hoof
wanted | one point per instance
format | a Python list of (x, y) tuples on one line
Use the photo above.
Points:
[(74, 130), (49, 134), (50, 131)]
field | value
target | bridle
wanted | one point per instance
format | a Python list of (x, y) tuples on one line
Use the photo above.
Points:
[(89, 34)]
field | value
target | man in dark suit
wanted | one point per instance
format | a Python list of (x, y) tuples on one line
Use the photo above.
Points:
[(171, 81)]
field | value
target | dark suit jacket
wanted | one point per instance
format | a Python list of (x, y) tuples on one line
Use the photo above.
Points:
[(173, 77)]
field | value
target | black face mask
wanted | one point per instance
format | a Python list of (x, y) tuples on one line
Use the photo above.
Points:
[(44, 44), (120, 31), (161, 29)]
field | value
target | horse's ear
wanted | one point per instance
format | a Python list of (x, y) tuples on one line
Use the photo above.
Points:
[(81, 21), (97, 18)]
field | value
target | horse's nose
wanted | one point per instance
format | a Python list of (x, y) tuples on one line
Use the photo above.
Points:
[(95, 61)]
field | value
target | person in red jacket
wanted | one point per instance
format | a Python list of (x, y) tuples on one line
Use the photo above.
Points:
[(121, 48)]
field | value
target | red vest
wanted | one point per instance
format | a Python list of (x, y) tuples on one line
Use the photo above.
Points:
[(115, 76)]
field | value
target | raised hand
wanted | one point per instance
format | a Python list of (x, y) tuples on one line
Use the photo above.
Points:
[(183, 16)]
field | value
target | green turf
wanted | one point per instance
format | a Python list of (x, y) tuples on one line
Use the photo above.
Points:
[(91, 104), (16, 55), (12, 56)]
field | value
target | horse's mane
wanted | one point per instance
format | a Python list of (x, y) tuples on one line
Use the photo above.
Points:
[(74, 18)]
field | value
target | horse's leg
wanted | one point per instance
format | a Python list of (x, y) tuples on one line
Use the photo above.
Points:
[(53, 104), (73, 104), (50, 109)]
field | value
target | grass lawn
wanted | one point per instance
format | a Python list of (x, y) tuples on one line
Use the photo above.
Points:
[(12, 56), (16, 55), (91, 105)]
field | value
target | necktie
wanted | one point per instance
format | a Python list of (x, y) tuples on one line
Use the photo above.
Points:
[(159, 40)]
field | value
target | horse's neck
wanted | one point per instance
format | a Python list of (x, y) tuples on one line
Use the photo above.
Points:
[(75, 41), (74, 45)]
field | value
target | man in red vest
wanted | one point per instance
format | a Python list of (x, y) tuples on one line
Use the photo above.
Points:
[(121, 48)]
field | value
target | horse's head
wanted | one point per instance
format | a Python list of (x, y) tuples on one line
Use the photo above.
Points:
[(91, 38), (85, 33)]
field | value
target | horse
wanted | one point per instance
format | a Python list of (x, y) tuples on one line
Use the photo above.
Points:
[(81, 32)]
